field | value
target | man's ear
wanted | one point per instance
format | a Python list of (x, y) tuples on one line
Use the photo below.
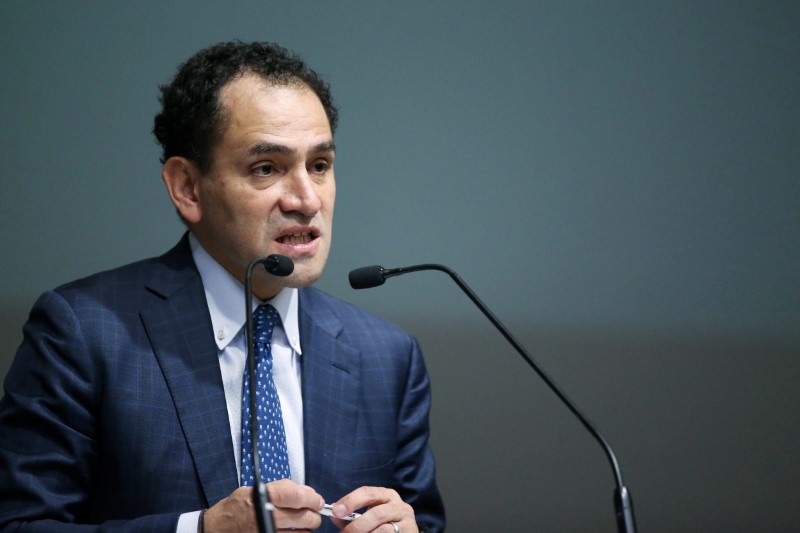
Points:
[(181, 177)]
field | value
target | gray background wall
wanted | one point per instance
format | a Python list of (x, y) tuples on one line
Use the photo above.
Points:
[(617, 180)]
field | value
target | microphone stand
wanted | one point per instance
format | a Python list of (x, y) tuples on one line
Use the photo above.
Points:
[(623, 504), (261, 503)]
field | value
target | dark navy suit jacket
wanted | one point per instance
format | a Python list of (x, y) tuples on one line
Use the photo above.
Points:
[(114, 411)]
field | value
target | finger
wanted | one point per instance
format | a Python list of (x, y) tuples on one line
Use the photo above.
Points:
[(287, 494), (365, 525), (296, 519), (364, 497), (380, 517), (353, 527)]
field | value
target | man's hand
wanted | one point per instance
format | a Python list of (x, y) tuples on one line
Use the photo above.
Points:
[(296, 507), (387, 512)]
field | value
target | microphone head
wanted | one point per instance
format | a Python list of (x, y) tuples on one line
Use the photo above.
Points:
[(278, 265), (367, 277)]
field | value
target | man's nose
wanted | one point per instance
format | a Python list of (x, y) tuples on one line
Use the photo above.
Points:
[(301, 194)]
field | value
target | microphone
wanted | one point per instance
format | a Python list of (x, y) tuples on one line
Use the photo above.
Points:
[(277, 265), (372, 276)]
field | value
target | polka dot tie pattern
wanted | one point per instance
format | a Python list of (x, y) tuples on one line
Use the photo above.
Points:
[(271, 438)]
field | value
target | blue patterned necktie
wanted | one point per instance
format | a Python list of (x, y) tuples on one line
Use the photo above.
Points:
[(271, 438)]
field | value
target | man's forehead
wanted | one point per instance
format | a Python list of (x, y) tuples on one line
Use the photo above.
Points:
[(255, 91), (251, 103), (250, 84)]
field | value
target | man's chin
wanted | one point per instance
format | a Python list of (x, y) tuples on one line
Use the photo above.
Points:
[(304, 275), (301, 281), (266, 286)]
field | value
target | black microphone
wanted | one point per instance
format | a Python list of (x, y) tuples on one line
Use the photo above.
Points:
[(372, 276), (277, 265)]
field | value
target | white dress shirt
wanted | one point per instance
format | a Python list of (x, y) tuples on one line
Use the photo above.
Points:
[(226, 302)]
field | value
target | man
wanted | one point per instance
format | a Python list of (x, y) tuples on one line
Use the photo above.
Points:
[(123, 407)]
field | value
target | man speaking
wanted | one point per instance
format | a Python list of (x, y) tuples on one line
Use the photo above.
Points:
[(127, 405)]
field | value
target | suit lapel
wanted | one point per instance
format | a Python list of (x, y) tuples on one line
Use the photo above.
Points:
[(179, 328), (331, 388)]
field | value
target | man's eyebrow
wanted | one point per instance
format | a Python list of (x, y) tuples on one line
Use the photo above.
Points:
[(269, 148), (326, 146), (273, 148)]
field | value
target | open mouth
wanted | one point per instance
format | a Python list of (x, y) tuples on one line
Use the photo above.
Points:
[(296, 238)]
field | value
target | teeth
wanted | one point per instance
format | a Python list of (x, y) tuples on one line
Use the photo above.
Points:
[(296, 238)]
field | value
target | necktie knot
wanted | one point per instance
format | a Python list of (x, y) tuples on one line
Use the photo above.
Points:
[(265, 318)]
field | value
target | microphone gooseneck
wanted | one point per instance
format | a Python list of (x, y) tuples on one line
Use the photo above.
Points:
[(277, 265), (372, 276)]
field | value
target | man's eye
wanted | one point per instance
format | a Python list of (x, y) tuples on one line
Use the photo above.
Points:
[(264, 170), (320, 167)]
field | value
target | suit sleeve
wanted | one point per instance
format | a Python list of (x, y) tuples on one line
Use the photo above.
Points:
[(415, 466), (48, 430)]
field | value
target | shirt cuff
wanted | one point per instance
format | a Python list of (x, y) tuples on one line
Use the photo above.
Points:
[(187, 523)]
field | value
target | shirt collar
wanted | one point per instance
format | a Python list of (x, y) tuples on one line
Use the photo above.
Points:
[(225, 299)]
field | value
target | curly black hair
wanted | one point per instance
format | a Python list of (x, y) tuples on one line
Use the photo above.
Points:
[(191, 116)]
